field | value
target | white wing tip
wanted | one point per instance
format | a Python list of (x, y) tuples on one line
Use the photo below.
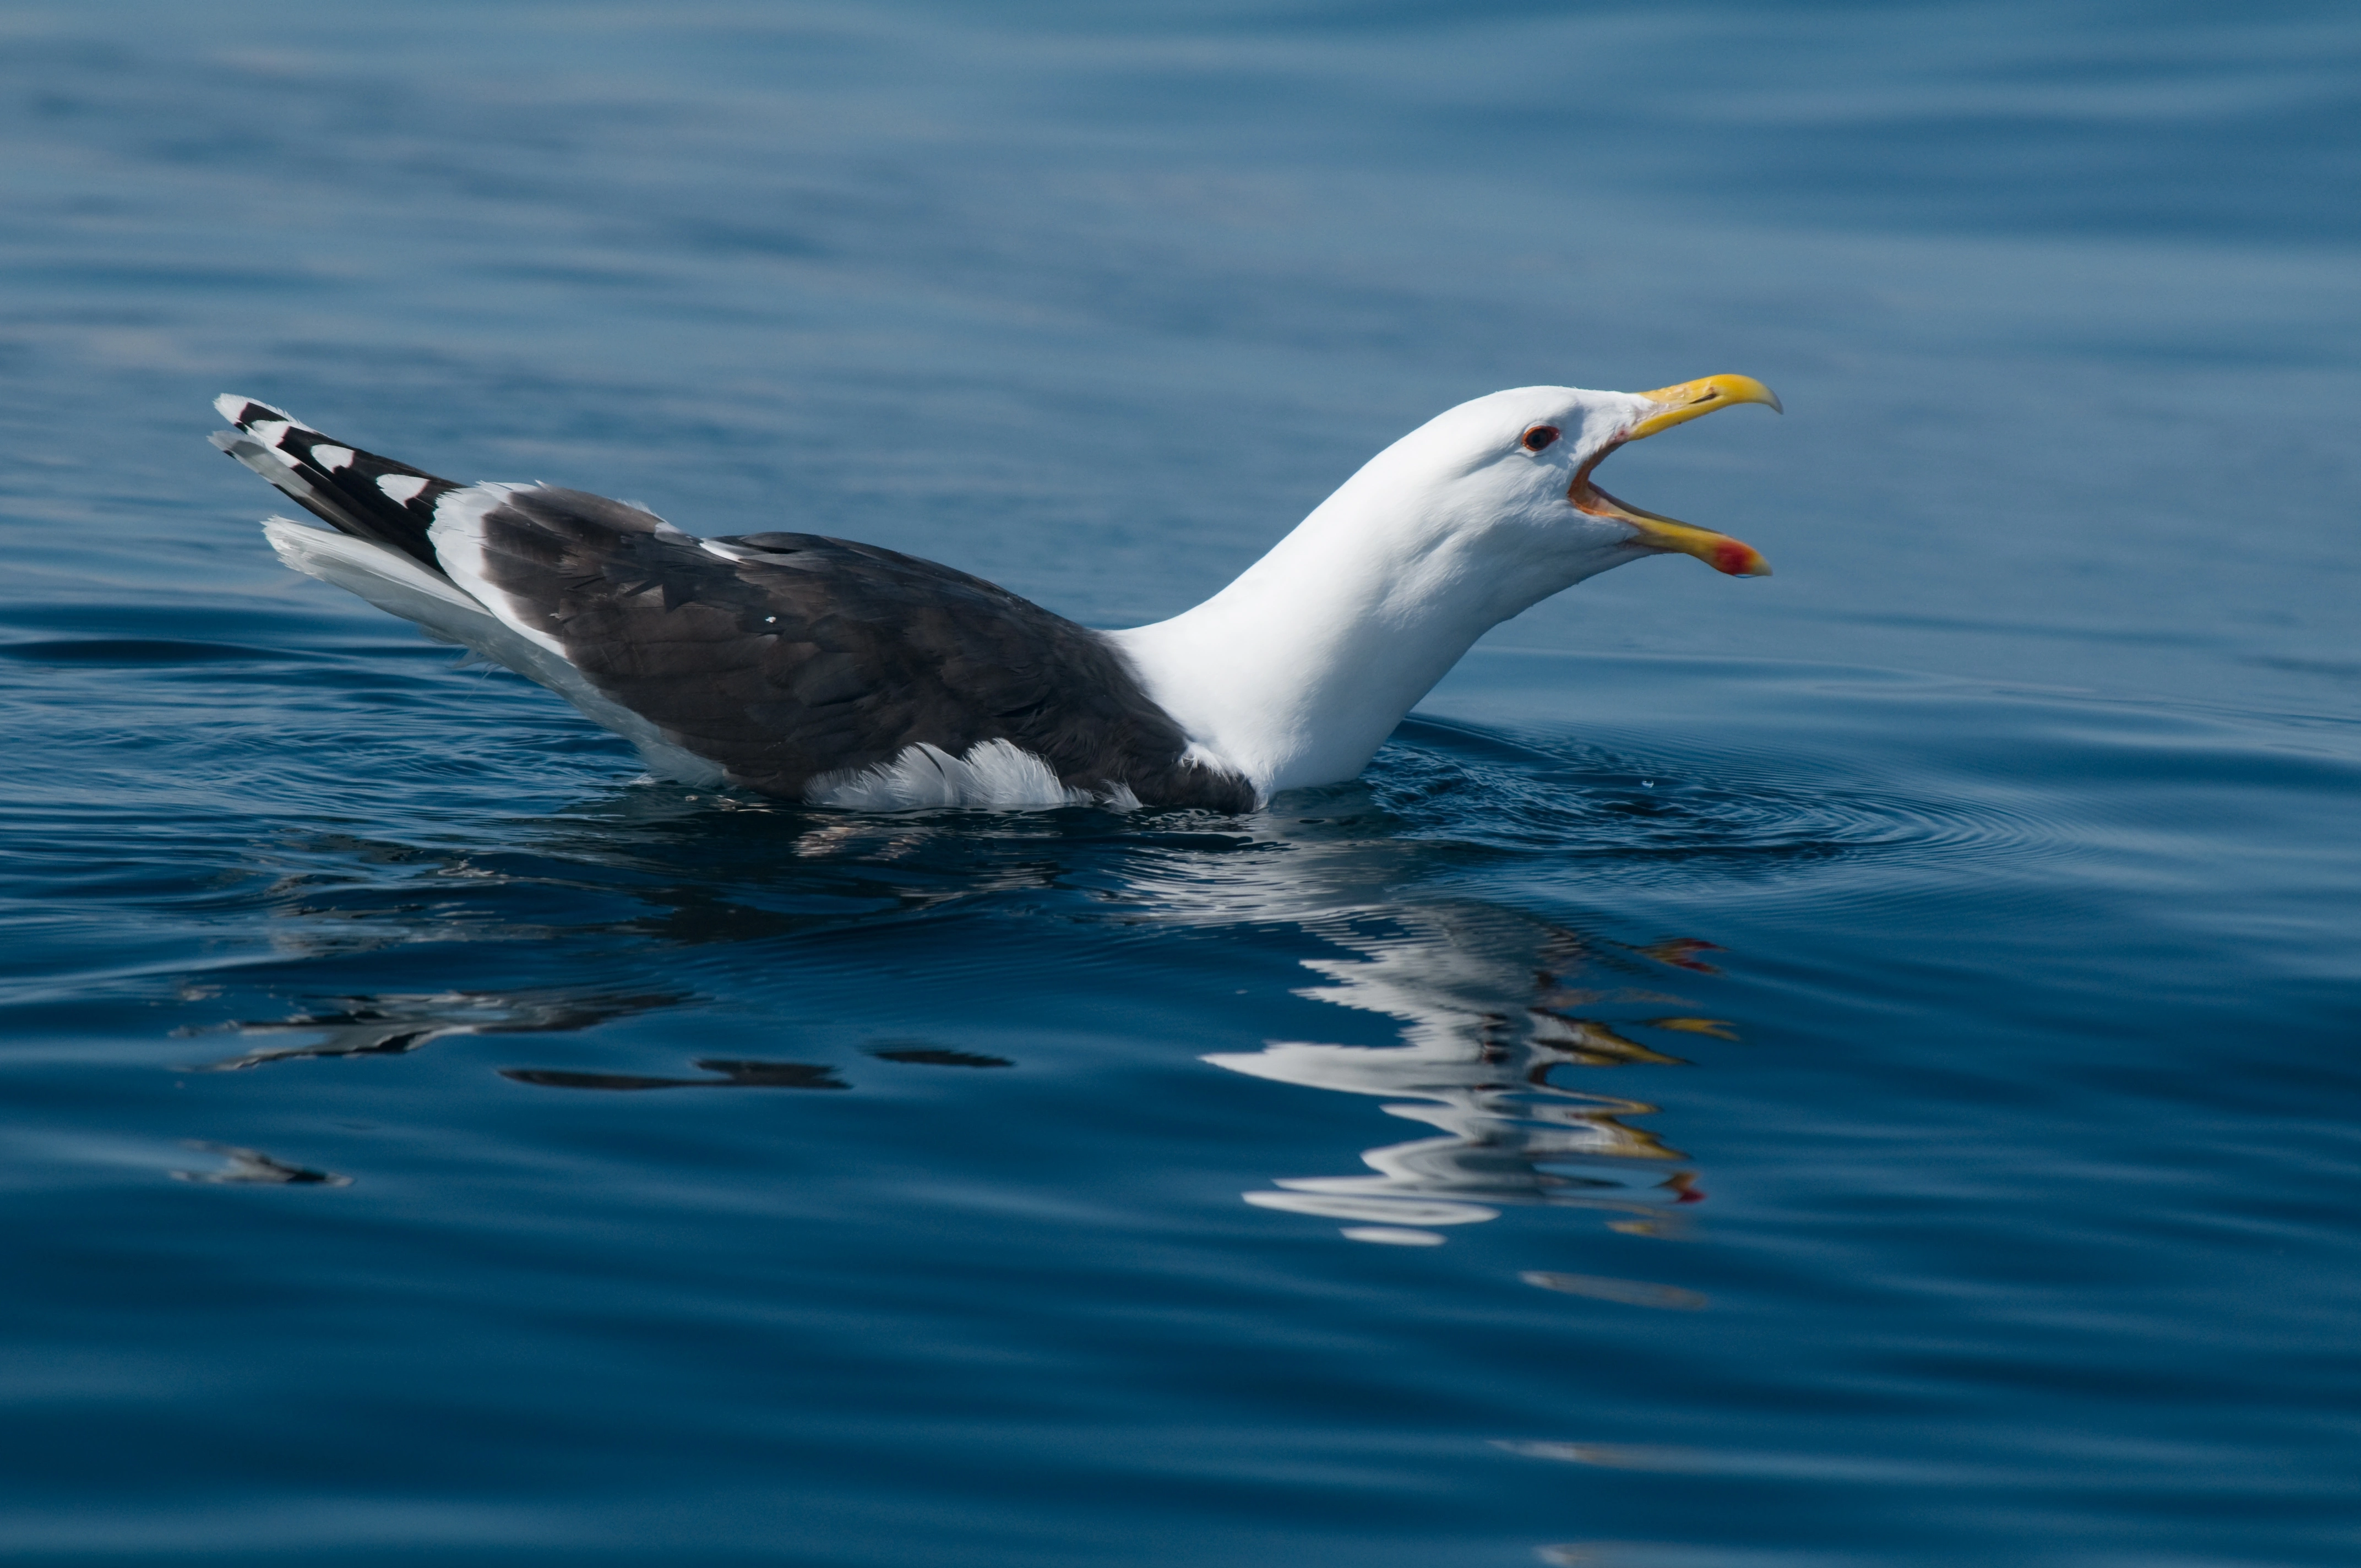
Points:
[(230, 405)]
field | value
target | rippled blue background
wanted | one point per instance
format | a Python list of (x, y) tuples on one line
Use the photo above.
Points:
[(1875, 1045)]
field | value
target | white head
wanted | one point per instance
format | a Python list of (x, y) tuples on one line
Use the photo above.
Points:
[(1298, 671), (1498, 494)]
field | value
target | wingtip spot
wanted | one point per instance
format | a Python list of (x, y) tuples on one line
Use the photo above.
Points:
[(245, 411)]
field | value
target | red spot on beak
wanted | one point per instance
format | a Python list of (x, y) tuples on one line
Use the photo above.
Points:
[(1737, 560)]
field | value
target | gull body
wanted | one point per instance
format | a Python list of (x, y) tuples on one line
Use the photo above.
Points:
[(842, 675)]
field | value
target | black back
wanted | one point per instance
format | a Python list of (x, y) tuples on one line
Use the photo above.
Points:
[(805, 656)]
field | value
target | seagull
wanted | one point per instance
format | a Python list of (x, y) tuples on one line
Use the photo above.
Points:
[(835, 673)]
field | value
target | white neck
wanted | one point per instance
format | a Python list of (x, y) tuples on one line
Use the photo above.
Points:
[(1297, 672)]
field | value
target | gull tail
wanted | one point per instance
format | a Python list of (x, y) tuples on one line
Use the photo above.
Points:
[(383, 513), (357, 493)]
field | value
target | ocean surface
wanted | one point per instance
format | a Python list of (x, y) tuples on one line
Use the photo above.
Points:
[(1859, 1068)]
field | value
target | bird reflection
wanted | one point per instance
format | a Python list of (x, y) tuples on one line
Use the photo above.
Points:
[(1505, 1019), (1488, 1033), (252, 1167), (919, 1054), (732, 1075), (1503, 1014), (398, 1025)]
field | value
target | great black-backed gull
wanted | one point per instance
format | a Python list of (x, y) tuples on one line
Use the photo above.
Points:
[(842, 675)]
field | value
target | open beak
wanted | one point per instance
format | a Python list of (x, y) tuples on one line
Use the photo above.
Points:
[(1678, 405)]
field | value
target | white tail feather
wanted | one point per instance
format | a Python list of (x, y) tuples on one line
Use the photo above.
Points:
[(399, 586)]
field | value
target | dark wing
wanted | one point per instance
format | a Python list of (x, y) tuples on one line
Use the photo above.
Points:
[(779, 656), (785, 656), (355, 492)]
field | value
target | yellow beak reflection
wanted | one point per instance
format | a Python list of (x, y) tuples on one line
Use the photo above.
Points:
[(1690, 401)]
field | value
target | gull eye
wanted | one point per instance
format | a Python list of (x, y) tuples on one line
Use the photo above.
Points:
[(1541, 435)]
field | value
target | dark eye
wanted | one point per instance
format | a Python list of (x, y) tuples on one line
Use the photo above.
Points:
[(1541, 435)]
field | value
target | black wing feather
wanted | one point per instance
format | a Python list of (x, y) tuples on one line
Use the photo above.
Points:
[(798, 655), (346, 497)]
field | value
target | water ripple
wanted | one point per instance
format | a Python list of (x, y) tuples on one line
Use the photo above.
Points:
[(1475, 787)]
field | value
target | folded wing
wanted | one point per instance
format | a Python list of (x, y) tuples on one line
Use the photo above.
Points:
[(791, 661)]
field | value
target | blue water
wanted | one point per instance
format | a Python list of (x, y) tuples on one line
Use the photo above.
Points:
[(1856, 1068)]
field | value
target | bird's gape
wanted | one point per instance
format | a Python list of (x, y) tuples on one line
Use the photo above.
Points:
[(1654, 531)]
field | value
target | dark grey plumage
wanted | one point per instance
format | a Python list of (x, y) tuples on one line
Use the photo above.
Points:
[(807, 656), (781, 657)]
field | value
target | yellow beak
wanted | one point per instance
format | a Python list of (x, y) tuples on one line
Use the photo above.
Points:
[(1691, 398), (1690, 401)]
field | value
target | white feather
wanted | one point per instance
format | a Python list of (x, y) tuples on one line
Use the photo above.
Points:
[(399, 586), (458, 532), (994, 773)]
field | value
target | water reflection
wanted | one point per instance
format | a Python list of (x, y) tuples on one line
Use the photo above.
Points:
[(1503, 1015), (252, 1167), (917, 1054), (1486, 999), (1504, 1018), (732, 1075), (398, 1025), (1630, 1292)]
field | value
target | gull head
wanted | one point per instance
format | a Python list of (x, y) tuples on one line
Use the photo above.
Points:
[(1506, 483)]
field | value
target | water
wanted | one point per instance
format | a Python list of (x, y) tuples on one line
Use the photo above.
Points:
[(1850, 1069)]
